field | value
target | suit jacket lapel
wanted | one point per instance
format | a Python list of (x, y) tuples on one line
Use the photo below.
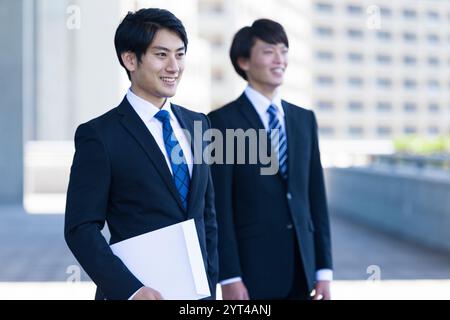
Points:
[(253, 118), (139, 131), (296, 137), (291, 137), (249, 112), (188, 124)]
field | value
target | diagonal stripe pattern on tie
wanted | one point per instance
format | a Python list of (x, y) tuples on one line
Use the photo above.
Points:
[(279, 146), (177, 160)]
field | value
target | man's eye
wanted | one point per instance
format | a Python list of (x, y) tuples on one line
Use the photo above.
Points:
[(180, 55), (161, 54)]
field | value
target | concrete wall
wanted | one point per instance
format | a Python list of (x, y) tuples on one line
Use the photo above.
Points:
[(11, 154), (406, 202)]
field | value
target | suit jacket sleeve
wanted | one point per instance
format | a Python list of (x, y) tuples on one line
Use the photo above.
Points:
[(222, 175), (211, 231), (87, 202), (318, 203)]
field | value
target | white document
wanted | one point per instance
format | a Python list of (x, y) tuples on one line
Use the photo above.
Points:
[(168, 260)]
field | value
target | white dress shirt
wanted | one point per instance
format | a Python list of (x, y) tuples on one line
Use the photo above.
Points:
[(146, 112), (261, 104)]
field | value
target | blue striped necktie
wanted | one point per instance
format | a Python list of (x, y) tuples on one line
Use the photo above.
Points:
[(279, 146), (180, 169)]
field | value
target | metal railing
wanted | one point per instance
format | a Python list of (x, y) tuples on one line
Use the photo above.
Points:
[(436, 161)]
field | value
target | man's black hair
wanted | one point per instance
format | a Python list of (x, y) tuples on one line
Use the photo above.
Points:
[(137, 30), (264, 29)]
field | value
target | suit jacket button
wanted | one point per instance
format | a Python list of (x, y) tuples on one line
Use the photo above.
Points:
[(289, 226), (289, 196)]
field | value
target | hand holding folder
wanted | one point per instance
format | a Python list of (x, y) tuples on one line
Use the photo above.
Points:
[(168, 260)]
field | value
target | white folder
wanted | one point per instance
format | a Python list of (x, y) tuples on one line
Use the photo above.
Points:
[(168, 260)]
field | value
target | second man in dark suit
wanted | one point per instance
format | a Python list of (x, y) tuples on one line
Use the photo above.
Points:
[(274, 237)]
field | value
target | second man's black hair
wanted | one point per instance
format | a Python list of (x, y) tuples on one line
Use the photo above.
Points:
[(264, 29)]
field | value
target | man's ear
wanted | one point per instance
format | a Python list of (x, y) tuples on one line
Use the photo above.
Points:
[(243, 63), (129, 60)]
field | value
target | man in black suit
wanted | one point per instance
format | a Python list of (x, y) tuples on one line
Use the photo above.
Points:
[(124, 170), (274, 237)]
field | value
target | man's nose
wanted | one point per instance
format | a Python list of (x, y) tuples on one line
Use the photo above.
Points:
[(279, 57), (172, 65)]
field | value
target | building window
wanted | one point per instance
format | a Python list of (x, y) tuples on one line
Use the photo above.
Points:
[(409, 14), (217, 75), (217, 41), (354, 9), (325, 55), (355, 106), (409, 37), (355, 82), (384, 35), (325, 80), (355, 131), (324, 31), (433, 15), (216, 7), (410, 130), (326, 131), (433, 84), (384, 59), (410, 107), (410, 60), (433, 61), (384, 83), (384, 131), (355, 57), (325, 106), (355, 33), (324, 7), (433, 38), (409, 83), (433, 130), (383, 106), (433, 108), (385, 12)]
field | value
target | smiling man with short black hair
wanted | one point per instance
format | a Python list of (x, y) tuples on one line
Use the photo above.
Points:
[(124, 172)]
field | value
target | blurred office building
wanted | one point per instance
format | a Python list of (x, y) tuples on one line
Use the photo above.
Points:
[(370, 69)]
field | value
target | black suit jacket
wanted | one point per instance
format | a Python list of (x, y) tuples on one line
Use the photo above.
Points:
[(261, 219), (120, 176)]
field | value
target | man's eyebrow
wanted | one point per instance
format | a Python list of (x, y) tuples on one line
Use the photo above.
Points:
[(273, 45), (166, 49)]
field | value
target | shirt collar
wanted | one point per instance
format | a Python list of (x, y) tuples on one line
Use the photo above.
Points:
[(261, 103), (145, 109)]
